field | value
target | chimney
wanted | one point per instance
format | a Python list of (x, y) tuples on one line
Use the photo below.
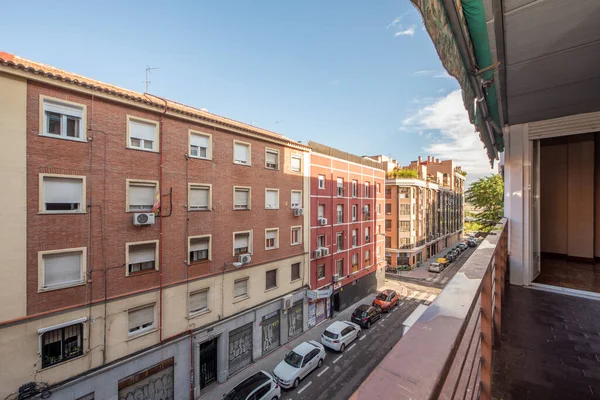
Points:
[(437, 160), (420, 160), (428, 159)]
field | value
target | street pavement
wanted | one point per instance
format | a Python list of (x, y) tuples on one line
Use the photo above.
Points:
[(341, 373)]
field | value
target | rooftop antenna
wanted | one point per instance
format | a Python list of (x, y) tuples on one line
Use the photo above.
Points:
[(148, 70)]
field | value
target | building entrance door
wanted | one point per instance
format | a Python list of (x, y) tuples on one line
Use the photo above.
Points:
[(208, 363)]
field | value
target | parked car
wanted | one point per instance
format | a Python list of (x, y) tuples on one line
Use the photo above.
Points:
[(472, 243), (365, 315), (386, 300), (436, 267), (260, 386), (340, 334), (298, 363), (443, 261), (450, 257)]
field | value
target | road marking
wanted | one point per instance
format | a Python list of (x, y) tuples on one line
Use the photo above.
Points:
[(350, 348), (444, 280), (431, 298), (413, 294), (422, 296), (338, 359), (428, 279), (362, 337), (304, 387), (322, 372)]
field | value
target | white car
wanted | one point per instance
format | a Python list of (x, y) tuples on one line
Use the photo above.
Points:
[(260, 386), (298, 363), (340, 334)]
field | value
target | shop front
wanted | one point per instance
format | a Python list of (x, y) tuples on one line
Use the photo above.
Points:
[(319, 305)]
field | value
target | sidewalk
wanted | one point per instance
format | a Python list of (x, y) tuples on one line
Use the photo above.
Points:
[(269, 362), (421, 272)]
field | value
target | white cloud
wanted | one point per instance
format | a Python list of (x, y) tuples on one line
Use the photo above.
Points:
[(407, 32), (398, 19), (434, 73), (450, 135)]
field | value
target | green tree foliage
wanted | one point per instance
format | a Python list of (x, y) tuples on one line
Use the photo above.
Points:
[(403, 173), (487, 196)]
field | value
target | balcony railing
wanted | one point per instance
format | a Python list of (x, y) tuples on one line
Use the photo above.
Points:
[(449, 349)]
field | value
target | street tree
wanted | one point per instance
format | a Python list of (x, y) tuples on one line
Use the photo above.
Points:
[(487, 196)]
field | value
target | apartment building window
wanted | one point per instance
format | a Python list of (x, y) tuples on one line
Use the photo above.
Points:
[(367, 234), (61, 344), (321, 241), (141, 195), (404, 193), (367, 190), (296, 163), (321, 211), (367, 211), (142, 134), (378, 208), (62, 194), (404, 209), (141, 257), (321, 272), (198, 301), (388, 208), (296, 200), (63, 120), (378, 249), (378, 186), (367, 257), (271, 239), (388, 224), (321, 181), (200, 145), (340, 187), (340, 214), (240, 288), (241, 198), (404, 226), (354, 237), (61, 268), (354, 213), (241, 153), (295, 273), (339, 267), (200, 197), (271, 159), (272, 199), (296, 235), (355, 262), (354, 188), (388, 193), (339, 240), (388, 241), (199, 248), (241, 243), (271, 279), (141, 320)]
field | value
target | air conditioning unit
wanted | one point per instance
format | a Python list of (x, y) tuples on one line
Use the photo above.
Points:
[(322, 221), (287, 302), (336, 277), (245, 258), (366, 209), (298, 212), (140, 219), (318, 253), (324, 251)]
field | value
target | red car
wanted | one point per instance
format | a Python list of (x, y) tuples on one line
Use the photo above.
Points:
[(386, 300)]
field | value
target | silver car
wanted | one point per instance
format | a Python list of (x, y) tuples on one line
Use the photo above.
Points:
[(436, 267), (298, 363), (260, 386)]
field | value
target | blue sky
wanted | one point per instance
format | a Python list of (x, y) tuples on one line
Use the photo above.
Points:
[(361, 76)]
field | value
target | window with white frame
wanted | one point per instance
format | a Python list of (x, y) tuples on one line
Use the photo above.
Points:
[(354, 188), (378, 208), (271, 279), (241, 198), (141, 257), (296, 199), (296, 164), (367, 190), (271, 159), (62, 269), (339, 267), (200, 145), (63, 120), (142, 196), (241, 243), (321, 241), (240, 288), (355, 262), (354, 213), (354, 237), (62, 194), (339, 239), (340, 187), (61, 344), (141, 319), (142, 134), (271, 239), (198, 301), (404, 226), (321, 182), (367, 257), (321, 272), (296, 235), (200, 197), (199, 249), (340, 213), (271, 199), (321, 211), (241, 153)]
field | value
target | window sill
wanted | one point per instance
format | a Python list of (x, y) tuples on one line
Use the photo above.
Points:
[(61, 363), (242, 209), (140, 149), (59, 287), (295, 280), (201, 158), (320, 279), (199, 313), (271, 248), (242, 164), (241, 298), (295, 172), (131, 274), (61, 212), (49, 135), (199, 210), (271, 208), (272, 169), (140, 212), (271, 289), (132, 336), (296, 244)]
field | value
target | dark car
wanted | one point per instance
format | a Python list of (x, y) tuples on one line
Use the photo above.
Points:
[(365, 315), (472, 243)]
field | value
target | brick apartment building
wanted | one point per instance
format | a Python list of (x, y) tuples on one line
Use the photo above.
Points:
[(142, 239), (423, 209), (346, 247)]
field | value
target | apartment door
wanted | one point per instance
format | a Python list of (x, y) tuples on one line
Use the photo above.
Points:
[(208, 363), (535, 210)]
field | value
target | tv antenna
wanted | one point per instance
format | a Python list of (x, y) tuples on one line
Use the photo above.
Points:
[(148, 70)]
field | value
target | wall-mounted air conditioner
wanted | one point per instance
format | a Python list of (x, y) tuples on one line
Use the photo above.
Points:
[(140, 219)]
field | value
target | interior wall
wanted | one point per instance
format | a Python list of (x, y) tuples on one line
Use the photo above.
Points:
[(553, 195), (597, 196)]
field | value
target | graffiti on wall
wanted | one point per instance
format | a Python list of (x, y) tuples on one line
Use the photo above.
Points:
[(154, 383)]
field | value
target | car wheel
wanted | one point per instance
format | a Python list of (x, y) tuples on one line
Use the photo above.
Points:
[(296, 383), (320, 363), (368, 324), (275, 398), (358, 334), (343, 348)]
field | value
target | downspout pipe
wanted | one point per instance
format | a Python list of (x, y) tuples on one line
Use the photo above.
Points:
[(455, 25)]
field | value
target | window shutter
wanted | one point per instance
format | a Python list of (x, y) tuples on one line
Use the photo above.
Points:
[(199, 140), (241, 240), (142, 130), (271, 234), (62, 268), (141, 253), (272, 198), (141, 195), (295, 163), (198, 300), (62, 190), (199, 197), (63, 109), (296, 199), (271, 158), (199, 244), (240, 288), (141, 316), (321, 211), (241, 197), (241, 152)]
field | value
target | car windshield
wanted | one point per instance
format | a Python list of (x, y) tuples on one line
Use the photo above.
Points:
[(358, 312), (243, 390), (382, 296), (330, 335), (293, 359)]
